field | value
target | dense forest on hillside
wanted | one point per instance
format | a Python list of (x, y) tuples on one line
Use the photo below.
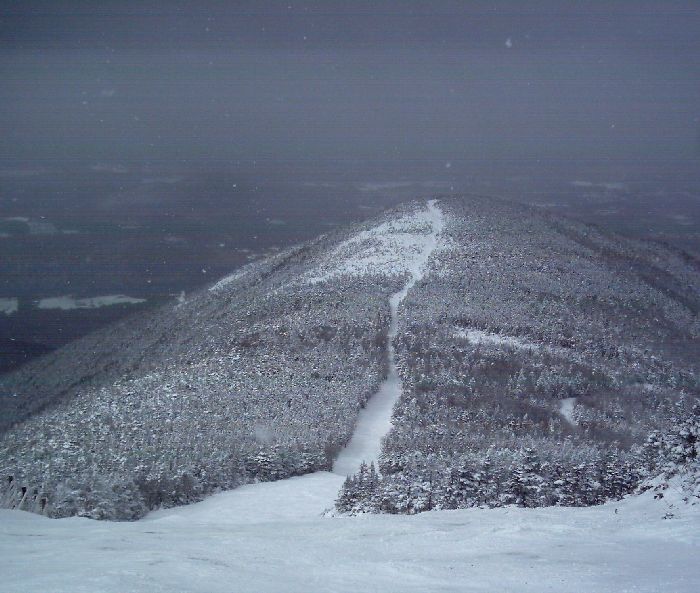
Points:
[(543, 362), (259, 377), (538, 356)]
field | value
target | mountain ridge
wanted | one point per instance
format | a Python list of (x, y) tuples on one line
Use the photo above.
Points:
[(262, 375)]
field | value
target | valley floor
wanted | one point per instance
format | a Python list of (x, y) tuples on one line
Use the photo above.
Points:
[(274, 537)]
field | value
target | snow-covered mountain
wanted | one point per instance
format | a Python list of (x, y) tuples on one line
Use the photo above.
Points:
[(510, 357)]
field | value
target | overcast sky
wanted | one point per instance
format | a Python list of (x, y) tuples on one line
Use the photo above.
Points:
[(299, 81)]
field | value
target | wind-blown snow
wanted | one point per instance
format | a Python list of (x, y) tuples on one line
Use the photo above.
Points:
[(396, 247), (375, 420), (272, 538)]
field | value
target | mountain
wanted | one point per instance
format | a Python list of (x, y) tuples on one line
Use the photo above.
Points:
[(539, 358), (524, 350)]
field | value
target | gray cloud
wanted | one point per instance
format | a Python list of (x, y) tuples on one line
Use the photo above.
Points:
[(413, 82)]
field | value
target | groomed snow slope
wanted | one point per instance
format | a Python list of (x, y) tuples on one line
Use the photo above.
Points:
[(272, 537)]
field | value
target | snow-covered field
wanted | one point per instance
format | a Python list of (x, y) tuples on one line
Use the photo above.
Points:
[(272, 537)]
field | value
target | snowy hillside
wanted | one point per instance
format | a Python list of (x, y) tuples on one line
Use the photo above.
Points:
[(254, 379), (374, 421), (517, 317), (396, 247), (479, 353)]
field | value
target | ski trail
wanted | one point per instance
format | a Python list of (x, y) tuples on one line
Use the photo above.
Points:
[(374, 421)]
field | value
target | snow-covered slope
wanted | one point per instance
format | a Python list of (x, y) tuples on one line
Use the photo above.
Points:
[(471, 310), (517, 313), (399, 246), (457, 325), (273, 538)]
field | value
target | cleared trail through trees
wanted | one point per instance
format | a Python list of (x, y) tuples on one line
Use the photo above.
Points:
[(374, 420)]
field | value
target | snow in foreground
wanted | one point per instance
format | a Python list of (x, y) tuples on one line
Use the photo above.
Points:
[(272, 537)]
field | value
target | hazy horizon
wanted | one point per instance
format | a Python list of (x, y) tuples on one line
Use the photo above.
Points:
[(154, 146)]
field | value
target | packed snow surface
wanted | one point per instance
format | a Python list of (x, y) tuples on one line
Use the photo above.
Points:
[(272, 537), (374, 421)]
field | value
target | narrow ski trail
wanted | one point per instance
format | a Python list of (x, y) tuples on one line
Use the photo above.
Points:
[(374, 420)]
